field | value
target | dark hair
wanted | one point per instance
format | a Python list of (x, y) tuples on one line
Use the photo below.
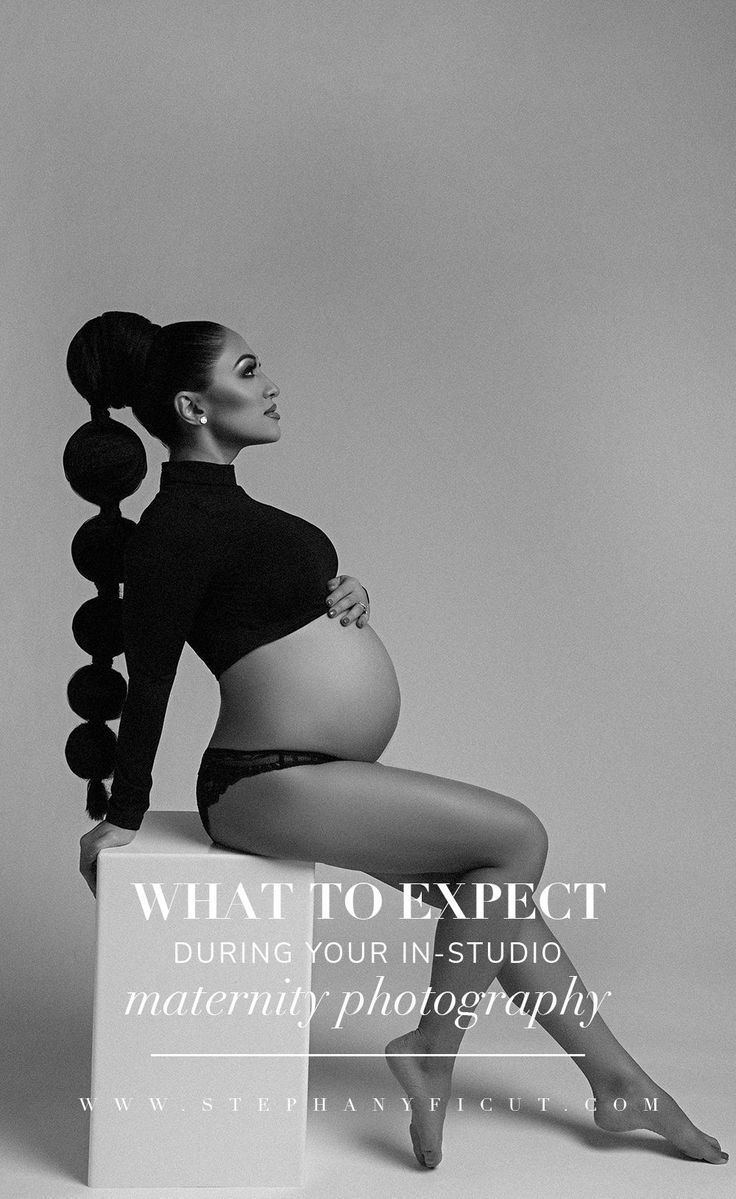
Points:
[(115, 360)]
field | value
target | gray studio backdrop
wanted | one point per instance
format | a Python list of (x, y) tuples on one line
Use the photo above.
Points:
[(486, 251)]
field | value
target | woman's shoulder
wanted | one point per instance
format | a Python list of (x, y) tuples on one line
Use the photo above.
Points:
[(179, 516), (172, 504)]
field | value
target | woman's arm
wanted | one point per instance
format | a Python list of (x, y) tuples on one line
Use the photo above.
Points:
[(169, 565)]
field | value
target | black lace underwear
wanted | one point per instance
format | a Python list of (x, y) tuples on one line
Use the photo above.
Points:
[(220, 768)]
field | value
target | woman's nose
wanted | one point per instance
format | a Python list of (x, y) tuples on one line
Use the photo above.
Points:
[(271, 389)]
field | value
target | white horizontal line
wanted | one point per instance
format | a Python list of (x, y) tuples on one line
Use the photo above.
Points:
[(456, 1055)]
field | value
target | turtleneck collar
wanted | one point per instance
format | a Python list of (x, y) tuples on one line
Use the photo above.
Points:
[(196, 470)]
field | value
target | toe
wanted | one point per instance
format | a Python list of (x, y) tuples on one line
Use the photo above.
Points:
[(709, 1152), (416, 1145), (429, 1158), (718, 1155)]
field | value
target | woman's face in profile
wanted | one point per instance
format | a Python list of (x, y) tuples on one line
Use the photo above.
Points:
[(239, 396)]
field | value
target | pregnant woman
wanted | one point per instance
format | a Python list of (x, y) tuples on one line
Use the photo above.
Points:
[(308, 702)]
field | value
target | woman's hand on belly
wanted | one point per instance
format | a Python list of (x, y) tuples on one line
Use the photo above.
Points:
[(350, 597)]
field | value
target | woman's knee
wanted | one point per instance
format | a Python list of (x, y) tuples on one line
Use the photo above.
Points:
[(536, 841), (529, 844)]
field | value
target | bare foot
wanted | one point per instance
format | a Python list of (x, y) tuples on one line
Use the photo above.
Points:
[(427, 1082), (668, 1120)]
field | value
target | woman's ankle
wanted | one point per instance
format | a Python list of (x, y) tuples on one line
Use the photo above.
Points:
[(435, 1041), (620, 1080)]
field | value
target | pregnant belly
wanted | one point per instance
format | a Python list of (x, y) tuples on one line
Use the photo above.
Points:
[(325, 687)]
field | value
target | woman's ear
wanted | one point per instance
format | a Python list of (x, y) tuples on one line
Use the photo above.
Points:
[(188, 407)]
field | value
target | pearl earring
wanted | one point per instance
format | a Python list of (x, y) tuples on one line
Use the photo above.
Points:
[(203, 420)]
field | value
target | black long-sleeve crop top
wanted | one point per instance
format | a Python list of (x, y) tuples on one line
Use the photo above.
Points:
[(207, 565)]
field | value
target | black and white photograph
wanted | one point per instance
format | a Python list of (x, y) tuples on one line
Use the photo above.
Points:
[(369, 501)]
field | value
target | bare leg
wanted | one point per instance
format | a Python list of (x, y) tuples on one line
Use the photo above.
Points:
[(612, 1072), (402, 823), (375, 818)]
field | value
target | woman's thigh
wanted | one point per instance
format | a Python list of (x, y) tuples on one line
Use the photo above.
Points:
[(371, 817)]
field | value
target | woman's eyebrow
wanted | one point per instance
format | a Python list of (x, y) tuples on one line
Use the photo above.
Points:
[(244, 358)]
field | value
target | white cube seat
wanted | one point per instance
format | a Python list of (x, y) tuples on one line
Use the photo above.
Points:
[(199, 1066)]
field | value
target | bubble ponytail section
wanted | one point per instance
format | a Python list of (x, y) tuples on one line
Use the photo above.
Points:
[(104, 461)]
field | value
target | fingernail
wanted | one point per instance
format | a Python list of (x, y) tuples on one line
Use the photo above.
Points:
[(344, 621)]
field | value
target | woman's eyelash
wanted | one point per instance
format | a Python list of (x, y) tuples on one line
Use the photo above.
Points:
[(250, 370)]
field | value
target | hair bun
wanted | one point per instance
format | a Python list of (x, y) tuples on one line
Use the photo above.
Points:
[(106, 360)]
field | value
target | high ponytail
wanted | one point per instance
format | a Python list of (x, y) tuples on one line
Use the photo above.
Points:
[(115, 360)]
